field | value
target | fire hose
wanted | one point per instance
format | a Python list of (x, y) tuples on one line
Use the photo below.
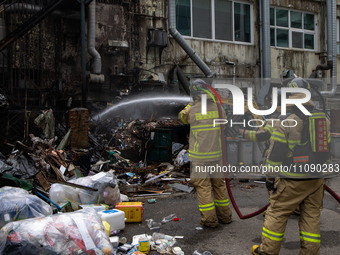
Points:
[(240, 215)]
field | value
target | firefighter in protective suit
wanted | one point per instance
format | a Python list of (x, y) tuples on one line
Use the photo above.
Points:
[(205, 153), (289, 189), (265, 134)]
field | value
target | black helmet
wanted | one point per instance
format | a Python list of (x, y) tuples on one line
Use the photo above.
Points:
[(198, 87), (298, 83)]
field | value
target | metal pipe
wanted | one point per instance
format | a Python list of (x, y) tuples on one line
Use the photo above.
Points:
[(31, 8), (83, 53), (331, 46), (183, 80), (180, 40), (97, 63), (266, 39), (329, 30), (260, 40)]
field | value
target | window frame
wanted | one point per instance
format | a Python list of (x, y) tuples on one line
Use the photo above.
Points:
[(338, 36), (212, 8), (297, 30)]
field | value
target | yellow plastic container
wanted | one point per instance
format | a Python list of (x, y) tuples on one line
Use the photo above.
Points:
[(133, 210)]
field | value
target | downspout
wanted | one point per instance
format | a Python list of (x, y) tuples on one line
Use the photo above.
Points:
[(95, 76), (260, 40), (331, 47), (180, 40), (266, 40)]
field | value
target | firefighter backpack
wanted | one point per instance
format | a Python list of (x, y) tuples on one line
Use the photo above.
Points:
[(314, 147)]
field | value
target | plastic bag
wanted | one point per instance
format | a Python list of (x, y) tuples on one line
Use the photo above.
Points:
[(181, 158), (176, 147), (168, 218), (18, 204), (153, 224), (80, 232), (105, 182)]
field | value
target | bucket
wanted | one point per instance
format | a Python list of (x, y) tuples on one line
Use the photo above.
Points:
[(245, 152), (114, 217), (232, 151)]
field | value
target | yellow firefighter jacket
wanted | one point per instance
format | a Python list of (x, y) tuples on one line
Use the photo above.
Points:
[(284, 139), (205, 138)]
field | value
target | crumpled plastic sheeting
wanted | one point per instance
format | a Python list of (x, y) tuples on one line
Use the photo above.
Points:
[(80, 232), (108, 191), (47, 123), (4, 167), (23, 166), (181, 158), (176, 147), (18, 204)]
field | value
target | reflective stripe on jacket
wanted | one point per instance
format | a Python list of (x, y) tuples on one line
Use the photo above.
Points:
[(205, 138), (282, 143)]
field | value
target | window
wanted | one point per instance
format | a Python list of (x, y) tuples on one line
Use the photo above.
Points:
[(215, 19), (292, 29)]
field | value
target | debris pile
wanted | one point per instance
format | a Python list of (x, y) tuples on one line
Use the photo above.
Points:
[(82, 194)]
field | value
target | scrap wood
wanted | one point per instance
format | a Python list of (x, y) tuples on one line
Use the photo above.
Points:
[(56, 170), (55, 157), (73, 185), (154, 179), (153, 191), (42, 181)]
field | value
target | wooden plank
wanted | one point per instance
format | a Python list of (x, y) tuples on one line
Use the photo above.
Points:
[(42, 181)]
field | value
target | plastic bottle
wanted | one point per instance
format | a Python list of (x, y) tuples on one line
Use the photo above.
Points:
[(163, 247), (157, 236), (122, 240), (207, 253), (114, 232), (177, 251), (143, 244), (169, 218), (196, 253)]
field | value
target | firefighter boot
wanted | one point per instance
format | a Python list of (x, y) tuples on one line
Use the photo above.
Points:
[(255, 250)]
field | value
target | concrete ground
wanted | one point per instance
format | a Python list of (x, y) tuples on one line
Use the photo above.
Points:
[(239, 236)]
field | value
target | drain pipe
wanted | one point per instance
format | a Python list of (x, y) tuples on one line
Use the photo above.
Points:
[(180, 40), (331, 47), (95, 77), (329, 64), (266, 40)]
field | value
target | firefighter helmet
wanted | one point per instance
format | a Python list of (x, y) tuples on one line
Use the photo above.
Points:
[(298, 83)]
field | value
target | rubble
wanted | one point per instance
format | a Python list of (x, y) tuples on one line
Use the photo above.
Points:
[(121, 163)]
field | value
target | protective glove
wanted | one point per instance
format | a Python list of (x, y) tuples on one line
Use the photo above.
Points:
[(270, 184)]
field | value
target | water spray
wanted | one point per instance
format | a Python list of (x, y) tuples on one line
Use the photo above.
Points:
[(142, 100)]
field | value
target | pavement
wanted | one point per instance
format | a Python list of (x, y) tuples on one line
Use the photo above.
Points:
[(239, 236)]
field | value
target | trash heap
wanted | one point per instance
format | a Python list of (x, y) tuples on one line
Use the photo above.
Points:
[(58, 199)]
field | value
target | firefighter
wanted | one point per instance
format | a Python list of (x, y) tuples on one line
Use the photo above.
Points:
[(265, 134), (289, 189), (205, 153)]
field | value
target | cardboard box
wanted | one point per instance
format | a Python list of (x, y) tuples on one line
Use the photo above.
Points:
[(133, 210)]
